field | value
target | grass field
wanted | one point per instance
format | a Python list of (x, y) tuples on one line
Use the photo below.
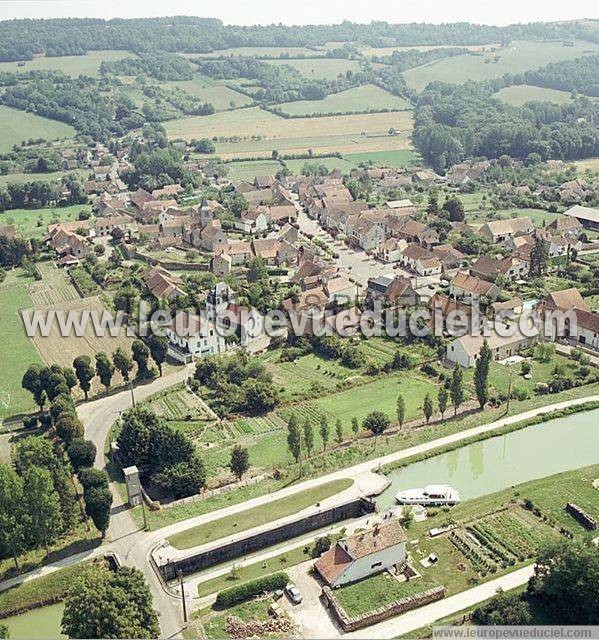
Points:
[(256, 52), (387, 51), (219, 95), (88, 64), (33, 223), (54, 288), (250, 518), (250, 169), (517, 57), (17, 126), (16, 350), (359, 99), (518, 95), (261, 132), (331, 163), (327, 68), (46, 177), (399, 158)]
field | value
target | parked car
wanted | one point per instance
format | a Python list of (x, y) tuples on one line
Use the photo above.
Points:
[(293, 594)]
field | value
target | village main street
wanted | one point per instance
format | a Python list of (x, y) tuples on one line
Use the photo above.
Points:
[(133, 545)]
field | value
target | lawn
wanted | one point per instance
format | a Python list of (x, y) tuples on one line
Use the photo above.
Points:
[(516, 57), (17, 351), (256, 52), (392, 158), (367, 97), (88, 64), (33, 223), (326, 68), (252, 168), (214, 623), (262, 131), (46, 177), (518, 95), (331, 163), (378, 590), (220, 96), (250, 518), (17, 126)]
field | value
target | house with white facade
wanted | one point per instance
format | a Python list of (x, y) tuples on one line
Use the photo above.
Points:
[(465, 351), (363, 554), (191, 337)]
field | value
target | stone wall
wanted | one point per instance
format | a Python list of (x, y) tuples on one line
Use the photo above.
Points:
[(383, 613), (205, 559)]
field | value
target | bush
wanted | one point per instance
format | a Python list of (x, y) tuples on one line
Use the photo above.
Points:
[(245, 592)]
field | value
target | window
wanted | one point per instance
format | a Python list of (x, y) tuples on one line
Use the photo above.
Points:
[(376, 565)]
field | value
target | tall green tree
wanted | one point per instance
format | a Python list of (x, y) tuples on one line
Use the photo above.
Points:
[(427, 407), (141, 355), (123, 363), (13, 516), (110, 604), (339, 431), (33, 382), (401, 410), (324, 431), (457, 388), (481, 374), (539, 259), (158, 346), (377, 422), (98, 501), (84, 372), (355, 425), (43, 506), (308, 436), (442, 399), (104, 369), (294, 438), (240, 461)]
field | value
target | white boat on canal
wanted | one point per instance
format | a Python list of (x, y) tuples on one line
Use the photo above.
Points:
[(431, 495)]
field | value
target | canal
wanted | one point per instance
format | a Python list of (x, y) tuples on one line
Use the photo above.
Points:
[(497, 463), (43, 622)]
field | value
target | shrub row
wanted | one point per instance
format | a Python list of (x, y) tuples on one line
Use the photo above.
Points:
[(244, 592)]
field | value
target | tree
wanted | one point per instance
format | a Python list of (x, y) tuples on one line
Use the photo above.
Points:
[(427, 407), (355, 425), (324, 431), (13, 517), (294, 437), (84, 372), (442, 399), (259, 396), (82, 453), (110, 604), (401, 410), (240, 461), (504, 609), (43, 506), (123, 363), (4, 631), (98, 501), (158, 346), (433, 204), (68, 427), (104, 369), (339, 431), (481, 374), (33, 382), (539, 259), (308, 436), (377, 422), (455, 209), (141, 355), (457, 389)]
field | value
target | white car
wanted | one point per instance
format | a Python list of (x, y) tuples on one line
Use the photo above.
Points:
[(293, 594)]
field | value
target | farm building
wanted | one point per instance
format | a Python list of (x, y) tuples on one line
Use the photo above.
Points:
[(588, 218)]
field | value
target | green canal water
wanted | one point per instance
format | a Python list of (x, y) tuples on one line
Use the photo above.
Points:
[(36, 624), (497, 463)]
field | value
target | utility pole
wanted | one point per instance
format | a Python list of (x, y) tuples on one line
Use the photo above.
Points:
[(143, 510), (183, 596), (132, 394), (509, 392)]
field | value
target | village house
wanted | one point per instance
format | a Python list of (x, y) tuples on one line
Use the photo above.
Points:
[(221, 264), (8, 231), (68, 243), (391, 291), (208, 236), (191, 336), (449, 315), (340, 290), (162, 284), (421, 261), (365, 233), (391, 250), (508, 308), (465, 350), (252, 221), (490, 268), (566, 226), (448, 256), (499, 231), (588, 217), (363, 554), (585, 332), (472, 290), (104, 226)]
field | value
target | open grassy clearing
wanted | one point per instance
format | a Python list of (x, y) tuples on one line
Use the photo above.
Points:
[(387, 51), (33, 223), (518, 95), (590, 164), (16, 350), (518, 56), (219, 95), (17, 126), (399, 158), (256, 52), (214, 622), (332, 163), (250, 518), (359, 99), (46, 177), (250, 169), (328, 68), (88, 64)]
